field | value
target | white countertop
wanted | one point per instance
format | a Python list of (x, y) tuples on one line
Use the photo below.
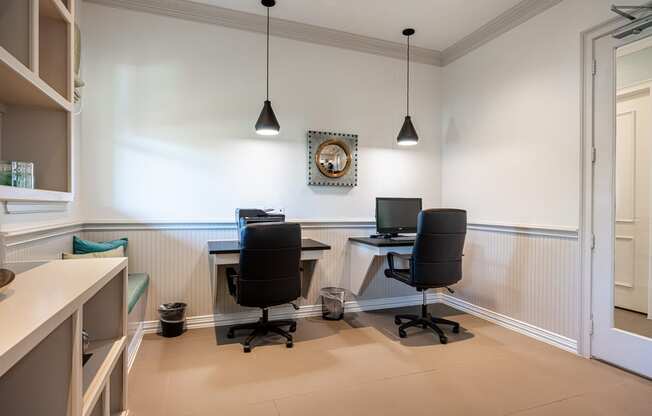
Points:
[(40, 299)]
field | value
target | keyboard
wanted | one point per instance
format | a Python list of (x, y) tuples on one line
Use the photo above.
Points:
[(403, 238)]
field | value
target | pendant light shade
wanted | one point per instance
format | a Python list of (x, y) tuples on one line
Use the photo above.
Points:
[(267, 124), (408, 135)]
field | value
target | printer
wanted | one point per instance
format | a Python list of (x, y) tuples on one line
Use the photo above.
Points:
[(246, 216)]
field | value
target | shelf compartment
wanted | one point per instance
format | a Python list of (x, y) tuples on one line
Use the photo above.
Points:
[(33, 386), (55, 9), (15, 29), (54, 54), (22, 86), (38, 135), (98, 369)]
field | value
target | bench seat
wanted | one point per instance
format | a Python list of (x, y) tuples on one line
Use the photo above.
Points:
[(136, 285)]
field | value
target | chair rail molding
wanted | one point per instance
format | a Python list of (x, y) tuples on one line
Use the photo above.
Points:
[(234, 19), (29, 235)]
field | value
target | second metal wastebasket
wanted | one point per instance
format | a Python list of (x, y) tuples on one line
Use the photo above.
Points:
[(332, 303)]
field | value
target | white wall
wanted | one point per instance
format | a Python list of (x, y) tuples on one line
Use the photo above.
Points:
[(511, 120), (171, 104), (511, 155)]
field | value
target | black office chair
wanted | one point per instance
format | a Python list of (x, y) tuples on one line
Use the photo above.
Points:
[(270, 275), (436, 262)]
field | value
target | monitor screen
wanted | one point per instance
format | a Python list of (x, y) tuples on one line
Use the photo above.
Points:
[(395, 215)]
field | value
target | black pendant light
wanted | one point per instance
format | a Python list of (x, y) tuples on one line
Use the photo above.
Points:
[(408, 135), (267, 124)]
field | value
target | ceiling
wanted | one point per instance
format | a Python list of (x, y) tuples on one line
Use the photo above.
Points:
[(438, 23)]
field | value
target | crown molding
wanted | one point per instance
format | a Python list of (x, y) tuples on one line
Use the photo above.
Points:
[(517, 15), (204, 13), (234, 19)]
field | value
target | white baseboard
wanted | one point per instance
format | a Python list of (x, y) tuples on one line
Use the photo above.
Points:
[(287, 312), (134, 345), (521, 327), (208, 321)]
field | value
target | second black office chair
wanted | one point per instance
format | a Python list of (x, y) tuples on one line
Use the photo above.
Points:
[(436, 262), (270, 275)]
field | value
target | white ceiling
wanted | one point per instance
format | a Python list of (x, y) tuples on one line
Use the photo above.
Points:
[(438, 23)]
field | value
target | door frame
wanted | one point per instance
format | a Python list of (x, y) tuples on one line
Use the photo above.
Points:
[(587, 158)]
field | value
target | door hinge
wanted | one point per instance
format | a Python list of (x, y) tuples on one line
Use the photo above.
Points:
[(592, 241), (591, 327), (594, 155), (594, 67)]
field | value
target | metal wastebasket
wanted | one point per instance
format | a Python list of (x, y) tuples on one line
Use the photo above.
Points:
[(173, 319), (332, 303)]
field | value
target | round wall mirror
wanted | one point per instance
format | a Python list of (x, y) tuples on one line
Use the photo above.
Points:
[(333, 158)]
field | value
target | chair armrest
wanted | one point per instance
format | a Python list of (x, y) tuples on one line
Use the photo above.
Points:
[(232, 279), (390, 259)]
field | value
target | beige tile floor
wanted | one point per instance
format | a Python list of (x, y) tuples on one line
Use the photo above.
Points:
[(361, 367)]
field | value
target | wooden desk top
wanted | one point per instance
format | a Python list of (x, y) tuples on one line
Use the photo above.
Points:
[(233, 246)]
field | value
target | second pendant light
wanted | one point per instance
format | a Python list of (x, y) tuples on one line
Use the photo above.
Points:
[(408, 134), (267, 124)]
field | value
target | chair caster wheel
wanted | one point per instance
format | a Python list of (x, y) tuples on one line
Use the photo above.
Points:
[(230, 335), (402, 334), (424, 326), (247, 348), (397, 321), (289, 344), (443, 340), (456, 330), (293, 328)]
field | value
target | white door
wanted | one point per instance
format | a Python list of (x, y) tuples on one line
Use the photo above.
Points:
[(614, 178), (633, 157)]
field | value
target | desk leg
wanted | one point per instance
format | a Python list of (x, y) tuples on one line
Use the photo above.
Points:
[(361, 260), (213, 274)]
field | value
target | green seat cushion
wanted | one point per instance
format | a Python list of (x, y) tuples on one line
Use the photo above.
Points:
[(80, 246), (136, 286)]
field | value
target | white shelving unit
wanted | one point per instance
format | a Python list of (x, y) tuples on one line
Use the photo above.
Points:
[(42, 314), (36, 94)]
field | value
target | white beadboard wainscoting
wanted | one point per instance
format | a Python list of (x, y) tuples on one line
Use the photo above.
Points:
[(522, 277), (528, 274)]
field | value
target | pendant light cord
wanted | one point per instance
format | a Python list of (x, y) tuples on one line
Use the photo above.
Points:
[(267, 94), (408, 75)]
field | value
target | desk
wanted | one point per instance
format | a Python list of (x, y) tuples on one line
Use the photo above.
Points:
[(364, 251), (228, 252)]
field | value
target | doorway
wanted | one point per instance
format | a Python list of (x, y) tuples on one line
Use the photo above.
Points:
[(621, 202)]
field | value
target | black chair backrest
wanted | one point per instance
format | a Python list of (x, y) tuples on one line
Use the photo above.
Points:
[(270, 258), (437, 252)]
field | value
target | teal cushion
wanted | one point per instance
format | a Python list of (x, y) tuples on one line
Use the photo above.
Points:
[(136, 286), (80, 246)]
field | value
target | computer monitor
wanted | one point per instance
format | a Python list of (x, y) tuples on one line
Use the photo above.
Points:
[(396, 215)]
